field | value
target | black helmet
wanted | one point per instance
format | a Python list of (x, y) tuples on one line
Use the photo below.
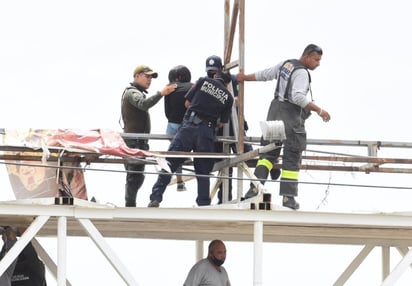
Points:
[(213, 63)]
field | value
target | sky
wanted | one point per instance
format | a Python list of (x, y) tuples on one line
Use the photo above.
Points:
[(64, 64)]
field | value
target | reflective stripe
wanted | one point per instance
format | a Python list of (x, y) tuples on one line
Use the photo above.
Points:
[(266, 163), (292, 175)]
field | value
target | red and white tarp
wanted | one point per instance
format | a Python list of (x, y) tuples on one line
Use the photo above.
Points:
[(47, 179)]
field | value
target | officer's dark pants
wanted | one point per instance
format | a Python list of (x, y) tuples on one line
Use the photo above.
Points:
[(135, 173), (190, 137)]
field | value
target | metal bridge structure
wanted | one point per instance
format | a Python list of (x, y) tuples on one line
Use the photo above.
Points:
[(233, 221)]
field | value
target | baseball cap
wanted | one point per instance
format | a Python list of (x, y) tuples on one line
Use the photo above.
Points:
[(213, 63), (146, 70)]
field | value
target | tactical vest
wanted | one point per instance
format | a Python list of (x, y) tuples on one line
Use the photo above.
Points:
[(134, 119), (285, 73)]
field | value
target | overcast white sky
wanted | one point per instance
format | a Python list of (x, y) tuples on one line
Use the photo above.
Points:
[(64, 64)]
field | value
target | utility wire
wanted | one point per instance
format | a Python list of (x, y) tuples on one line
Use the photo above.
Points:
[(205, 176)]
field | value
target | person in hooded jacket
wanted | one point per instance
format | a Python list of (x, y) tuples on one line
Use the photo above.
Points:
[(175, 107)]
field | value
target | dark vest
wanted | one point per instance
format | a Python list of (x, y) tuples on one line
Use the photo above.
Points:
[(286, 70), (135, 120)]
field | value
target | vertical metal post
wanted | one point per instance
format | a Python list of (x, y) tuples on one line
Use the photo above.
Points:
[(241, 92), (385, 261), (199, 250), (398, 270), (258, 253), (241, 69), (225, 171), (61, 253), (226, 27)]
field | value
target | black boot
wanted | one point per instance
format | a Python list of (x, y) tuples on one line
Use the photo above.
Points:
[(290, 202), (261, 172), (251, 192)]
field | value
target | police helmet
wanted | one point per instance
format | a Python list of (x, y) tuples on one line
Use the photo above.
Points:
[(213, 63)]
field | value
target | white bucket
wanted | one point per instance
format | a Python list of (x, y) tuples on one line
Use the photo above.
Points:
[(273, 130)]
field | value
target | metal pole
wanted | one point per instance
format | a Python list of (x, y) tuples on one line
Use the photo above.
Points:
[(241, 69), (199, 250), (258, 253), (398, 270), (61, 253)]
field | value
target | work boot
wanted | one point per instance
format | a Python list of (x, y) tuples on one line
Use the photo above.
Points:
[(290, 202), (154, 204), (181, 187), (252, 192)]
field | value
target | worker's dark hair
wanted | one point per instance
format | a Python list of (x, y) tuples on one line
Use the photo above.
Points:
[(172, 75), (180, 73), (183, 74), (312, 48)]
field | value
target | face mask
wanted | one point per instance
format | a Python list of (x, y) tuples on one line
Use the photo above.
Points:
[(217, 262)]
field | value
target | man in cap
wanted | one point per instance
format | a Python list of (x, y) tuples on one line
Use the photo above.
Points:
[(136, 119)]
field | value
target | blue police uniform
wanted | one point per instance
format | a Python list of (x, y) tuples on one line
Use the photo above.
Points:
[(210, 101), (213, 65)]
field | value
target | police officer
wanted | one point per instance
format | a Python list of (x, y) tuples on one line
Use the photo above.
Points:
[(213, 65), (209, 105), (136, 119), (290, 105)]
